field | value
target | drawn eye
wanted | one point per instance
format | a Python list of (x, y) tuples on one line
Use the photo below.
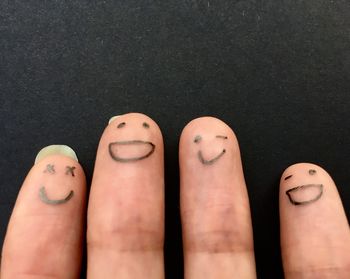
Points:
[(287, 177), (121, 125), (197, 139), (312, 172), (145, 125), (70, 170), (221, 137)]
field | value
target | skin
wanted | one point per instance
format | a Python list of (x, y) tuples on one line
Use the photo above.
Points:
[(315, 237), (125, 215), (45, 240), (45, 198), (211, 160), (125, 231), (215, 214), (318, 188)]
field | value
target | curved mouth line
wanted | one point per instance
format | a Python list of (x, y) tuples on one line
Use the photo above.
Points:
[(302, 187), (43, 196), (130, 142), (211, 161)]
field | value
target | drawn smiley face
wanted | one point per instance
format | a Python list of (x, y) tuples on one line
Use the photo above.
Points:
[(304, 194), (50, 169), (144, 150), (210, 161)]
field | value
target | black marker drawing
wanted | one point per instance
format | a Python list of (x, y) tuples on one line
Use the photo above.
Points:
[(211, 161), (113, 147), (43, 196), (50, 168), (197, 139), (221, 137), (121, 125), (287, 177), (145, 125), (312, 172), (70, 170), (292, 199)]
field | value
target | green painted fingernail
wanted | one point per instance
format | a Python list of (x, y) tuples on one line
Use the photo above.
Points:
[(55, 150), (112, 119)]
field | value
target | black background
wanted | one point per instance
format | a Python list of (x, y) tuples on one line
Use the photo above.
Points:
[(277, 71)]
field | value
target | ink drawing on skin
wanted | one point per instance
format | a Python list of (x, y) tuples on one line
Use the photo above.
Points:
[(50, 168), (287, 177), (42, 191), (43, 196), (312, 191), (70, 170), (210, 161), (147, 147)]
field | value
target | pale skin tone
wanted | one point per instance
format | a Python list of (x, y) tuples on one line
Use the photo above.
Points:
[(125, 211)]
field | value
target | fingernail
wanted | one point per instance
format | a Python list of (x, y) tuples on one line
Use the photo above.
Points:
[(112, 118), (55, 150)]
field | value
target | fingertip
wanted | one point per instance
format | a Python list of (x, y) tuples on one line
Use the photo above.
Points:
[(305, 169), (212, 189), (126, 204), (136, 120), (48, 213), (208, 122), (55, 160), (314, 228), (301, 165), (213, 131)]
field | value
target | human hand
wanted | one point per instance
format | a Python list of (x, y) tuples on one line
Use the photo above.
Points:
[(125, 216)]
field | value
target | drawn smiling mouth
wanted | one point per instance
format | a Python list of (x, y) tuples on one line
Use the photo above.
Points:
[(43, 196), (147, 148), (211, 161), (311, 193)]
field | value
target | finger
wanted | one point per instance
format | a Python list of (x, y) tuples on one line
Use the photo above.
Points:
[(215, 213), (126, 206), (45, 232), (315, 235)]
